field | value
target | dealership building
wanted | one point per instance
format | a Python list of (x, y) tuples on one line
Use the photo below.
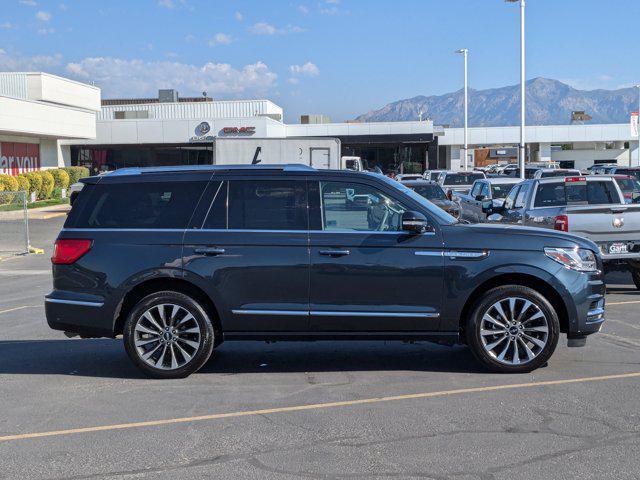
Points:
[(48, 121), (37, 112)]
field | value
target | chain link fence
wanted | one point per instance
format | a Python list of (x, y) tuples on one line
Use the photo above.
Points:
[(14, 223)]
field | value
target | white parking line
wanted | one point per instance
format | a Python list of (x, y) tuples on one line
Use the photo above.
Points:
[(623, 303), (622, 323), (19, 308), (10, 273)]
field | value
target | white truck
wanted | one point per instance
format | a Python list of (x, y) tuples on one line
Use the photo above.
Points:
[(321, 153)]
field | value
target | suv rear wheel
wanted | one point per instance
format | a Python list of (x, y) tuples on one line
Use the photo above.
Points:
[(513, 329), (168, 335)]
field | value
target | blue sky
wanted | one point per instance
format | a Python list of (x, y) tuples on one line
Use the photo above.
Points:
[(337, 57)]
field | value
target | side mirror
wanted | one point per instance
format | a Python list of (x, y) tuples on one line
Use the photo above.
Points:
[(479, 198), (415, 222), (496, 217)]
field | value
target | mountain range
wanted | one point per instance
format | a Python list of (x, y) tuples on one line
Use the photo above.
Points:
[(549, 102)]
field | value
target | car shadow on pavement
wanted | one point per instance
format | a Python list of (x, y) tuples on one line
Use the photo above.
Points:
[(107, 358)]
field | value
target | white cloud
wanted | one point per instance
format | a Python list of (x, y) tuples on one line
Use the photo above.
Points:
[(63, 7), (130, 78), (190, 38), (29, 3), (334, 2), (166, 3), (293, 80), (171, 55), (7, 26), (43, 16), (46, 31), (18, 63), (171, 4), (303, 9), (238, 16), (309, 69), (220, 39), (263, 28)]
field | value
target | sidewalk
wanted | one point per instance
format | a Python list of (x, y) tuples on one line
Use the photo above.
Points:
[(43, 213)]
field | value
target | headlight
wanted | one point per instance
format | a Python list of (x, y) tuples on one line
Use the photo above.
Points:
[(579, 259)]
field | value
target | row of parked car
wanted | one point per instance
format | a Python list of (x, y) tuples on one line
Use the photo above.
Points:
[(600, 207)]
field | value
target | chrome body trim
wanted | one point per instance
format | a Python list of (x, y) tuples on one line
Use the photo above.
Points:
[(321, 313), (73, 302)]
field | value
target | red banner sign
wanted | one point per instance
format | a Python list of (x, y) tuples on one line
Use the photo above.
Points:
[(16, 158)]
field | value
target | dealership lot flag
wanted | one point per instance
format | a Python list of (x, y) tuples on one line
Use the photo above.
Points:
[(634, 124)]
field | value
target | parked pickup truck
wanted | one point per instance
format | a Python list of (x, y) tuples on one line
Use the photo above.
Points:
[(485, 190), (453, 182), (591, 206)]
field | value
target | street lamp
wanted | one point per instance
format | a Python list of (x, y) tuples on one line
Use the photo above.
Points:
[(522, 87), (638, 125), (465, 54)]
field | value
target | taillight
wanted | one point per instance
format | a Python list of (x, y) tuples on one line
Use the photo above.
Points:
[(68, 250), (450, 195), (561, 223)]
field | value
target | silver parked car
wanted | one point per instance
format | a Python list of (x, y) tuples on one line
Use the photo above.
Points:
[(590, 206), (485, 190), (458, 181)]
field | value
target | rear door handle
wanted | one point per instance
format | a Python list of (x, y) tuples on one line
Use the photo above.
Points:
[(334, 253), (213, 251)]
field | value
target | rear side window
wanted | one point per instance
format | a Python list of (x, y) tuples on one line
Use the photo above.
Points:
[(148, 205), (520, 199), (267, 205)]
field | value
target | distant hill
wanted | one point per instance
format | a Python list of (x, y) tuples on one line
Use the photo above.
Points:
[(549, 102)]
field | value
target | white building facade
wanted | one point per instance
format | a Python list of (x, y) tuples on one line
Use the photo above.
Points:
[(37, 110)]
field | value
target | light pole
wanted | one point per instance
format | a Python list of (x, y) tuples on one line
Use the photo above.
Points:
[(465, 54), (638, 124), (522, 88)]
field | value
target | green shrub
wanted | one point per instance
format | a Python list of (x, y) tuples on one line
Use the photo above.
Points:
[(60, 178), (23, 183), (47, 185), (76, 173), (9, 184), (35, 181)]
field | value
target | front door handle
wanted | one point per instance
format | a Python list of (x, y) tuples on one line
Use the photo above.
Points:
[(334, 253), (213, 251)]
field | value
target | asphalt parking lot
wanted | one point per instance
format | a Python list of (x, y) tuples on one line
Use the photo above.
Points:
[(76, 408)]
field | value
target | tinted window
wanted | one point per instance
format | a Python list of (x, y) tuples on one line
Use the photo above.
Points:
[(550, 195), (140, 205), (485, 190), (560, 173), (500, 190), (267, 205), (593, 193), (462, 178), (476, 189), (626, 171), (353, 206), (217, 215), (430, 192)]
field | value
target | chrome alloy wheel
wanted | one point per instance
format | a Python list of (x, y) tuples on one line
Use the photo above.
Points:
[(167, 336), (514, 330)]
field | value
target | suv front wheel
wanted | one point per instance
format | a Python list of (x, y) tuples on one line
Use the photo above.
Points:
[(513, 329), (168, 335)]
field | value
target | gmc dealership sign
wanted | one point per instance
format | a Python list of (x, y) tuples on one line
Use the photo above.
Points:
[(16, 158), (239, 130)]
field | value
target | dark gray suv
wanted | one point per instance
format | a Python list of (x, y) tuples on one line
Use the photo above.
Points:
[(180, 259)]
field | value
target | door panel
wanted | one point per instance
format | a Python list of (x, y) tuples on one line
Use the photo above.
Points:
[(369, 279), (320, 158), (254, 256)]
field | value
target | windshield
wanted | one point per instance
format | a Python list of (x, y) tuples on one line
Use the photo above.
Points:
[(440, 214), (462, 178), (500, 190), (430, 192)]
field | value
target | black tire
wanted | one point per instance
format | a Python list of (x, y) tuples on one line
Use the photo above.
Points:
[(635, 275), (160, 306), (519, 333)]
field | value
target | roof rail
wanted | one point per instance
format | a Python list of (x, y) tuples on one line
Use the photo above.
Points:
[(287, 167)]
